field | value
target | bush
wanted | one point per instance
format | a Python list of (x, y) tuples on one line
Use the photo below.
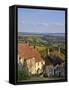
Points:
[(23, 75)]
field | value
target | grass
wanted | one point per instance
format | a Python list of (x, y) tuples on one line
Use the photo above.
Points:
[(35, 78)]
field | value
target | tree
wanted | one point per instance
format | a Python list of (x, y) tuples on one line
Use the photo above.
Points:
[(24, 73)]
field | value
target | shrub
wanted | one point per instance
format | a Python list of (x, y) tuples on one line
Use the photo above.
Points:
[(23, 75)]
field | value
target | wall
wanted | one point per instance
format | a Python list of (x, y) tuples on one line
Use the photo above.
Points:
[(4, 41)]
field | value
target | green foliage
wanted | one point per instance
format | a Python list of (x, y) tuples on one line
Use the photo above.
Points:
[(62, 50), (23, 74), (43, 53)]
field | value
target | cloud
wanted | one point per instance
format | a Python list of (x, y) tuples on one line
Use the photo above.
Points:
[(35, 24), (45, 24), (42, 23), (59, 24)]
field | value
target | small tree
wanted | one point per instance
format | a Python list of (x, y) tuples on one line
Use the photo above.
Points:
[(24, 73)]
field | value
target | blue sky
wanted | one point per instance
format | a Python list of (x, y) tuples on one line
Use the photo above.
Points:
[(41, 21)]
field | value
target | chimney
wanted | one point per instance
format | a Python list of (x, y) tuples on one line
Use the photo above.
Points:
[(48, 51), (59, 50)]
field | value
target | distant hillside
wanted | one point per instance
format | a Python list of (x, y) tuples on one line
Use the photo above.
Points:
[(50, 34), (57, 34)]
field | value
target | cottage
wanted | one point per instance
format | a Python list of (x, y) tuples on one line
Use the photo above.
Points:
[(49, 68), (54, 66), (32, 57), (57, 70), (62, 69)]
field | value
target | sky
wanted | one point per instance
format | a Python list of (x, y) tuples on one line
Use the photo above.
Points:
[(41, 21)]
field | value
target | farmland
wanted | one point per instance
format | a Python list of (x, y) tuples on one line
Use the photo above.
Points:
[(51, 47), (44, 41)]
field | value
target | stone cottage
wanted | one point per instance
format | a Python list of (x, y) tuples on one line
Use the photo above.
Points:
[(54, 66), (33, 59)]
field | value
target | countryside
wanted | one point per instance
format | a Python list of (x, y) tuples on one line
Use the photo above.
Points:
[(41, 56)]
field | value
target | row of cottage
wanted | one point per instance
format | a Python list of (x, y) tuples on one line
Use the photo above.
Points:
[(35, 63)]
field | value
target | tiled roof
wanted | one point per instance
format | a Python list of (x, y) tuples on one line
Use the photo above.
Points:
[(54, 60), (24, 50)]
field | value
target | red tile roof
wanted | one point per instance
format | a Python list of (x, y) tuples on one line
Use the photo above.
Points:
[(24, 50)]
